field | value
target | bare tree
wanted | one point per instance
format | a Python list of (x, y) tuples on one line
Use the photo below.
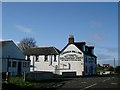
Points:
[(27, 43)]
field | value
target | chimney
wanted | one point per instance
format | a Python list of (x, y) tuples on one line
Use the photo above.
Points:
[(71, 39)]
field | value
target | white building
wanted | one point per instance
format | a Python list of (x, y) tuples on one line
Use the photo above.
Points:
[(43, 58), (13, 59), (77, 58)]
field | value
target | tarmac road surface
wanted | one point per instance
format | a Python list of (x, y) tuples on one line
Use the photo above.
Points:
[(84, 83)]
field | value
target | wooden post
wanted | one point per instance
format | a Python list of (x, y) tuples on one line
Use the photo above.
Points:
[(6, 77), (24, 76), (7, 73)]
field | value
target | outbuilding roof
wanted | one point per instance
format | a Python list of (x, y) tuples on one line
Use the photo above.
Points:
[(42, 51)]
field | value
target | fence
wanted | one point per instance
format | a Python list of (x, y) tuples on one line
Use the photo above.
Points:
[(37, 76)]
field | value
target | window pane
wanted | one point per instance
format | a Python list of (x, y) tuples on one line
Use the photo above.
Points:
[(14, 64), (24, 64)]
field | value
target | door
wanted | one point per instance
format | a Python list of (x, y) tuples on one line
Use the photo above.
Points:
[(68, 74), (19, 67)]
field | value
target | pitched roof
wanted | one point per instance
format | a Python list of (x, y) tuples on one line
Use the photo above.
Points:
[(2, 43), (42, 51), (79, 46)]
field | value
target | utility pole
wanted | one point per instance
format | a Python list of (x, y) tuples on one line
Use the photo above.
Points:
[(114, 65)]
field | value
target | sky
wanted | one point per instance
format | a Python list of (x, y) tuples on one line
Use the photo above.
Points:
[(51, 23)]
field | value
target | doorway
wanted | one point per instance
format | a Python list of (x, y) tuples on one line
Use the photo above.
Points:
[(19, 67)]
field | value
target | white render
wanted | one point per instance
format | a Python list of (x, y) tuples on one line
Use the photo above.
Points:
[(76, 59), (73, 64), (59, 66), (11, 53), (41, 65), (76, 65)]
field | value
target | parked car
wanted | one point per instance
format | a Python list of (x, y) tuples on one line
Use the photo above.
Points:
[(106, 73)]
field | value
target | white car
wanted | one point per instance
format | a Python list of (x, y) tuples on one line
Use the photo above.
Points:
[(106, 73)]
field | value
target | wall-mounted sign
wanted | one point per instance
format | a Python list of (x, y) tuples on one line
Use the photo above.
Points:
[(71, 52), (71, 57)]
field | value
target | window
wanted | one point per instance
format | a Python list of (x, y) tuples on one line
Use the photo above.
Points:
[(14, 64), (46, 58), (24, 64), (79, 52), (55, 58), (9, 64), (73, 51), (37, 58)]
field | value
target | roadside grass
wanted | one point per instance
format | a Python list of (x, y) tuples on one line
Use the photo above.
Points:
[(18, 82)]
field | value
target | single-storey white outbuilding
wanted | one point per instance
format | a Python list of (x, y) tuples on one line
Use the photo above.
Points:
[(43, 59), (13, 59)]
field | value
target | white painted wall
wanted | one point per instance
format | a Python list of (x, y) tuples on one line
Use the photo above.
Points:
[(42, 65), (76, 66)]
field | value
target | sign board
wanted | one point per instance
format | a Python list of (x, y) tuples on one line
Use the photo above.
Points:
[(71, 57)]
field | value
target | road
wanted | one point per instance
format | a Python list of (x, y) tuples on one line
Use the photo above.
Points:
[(80, 83), (84, 83)]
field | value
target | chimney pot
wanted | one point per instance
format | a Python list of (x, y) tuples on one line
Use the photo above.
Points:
[(71, 39)]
